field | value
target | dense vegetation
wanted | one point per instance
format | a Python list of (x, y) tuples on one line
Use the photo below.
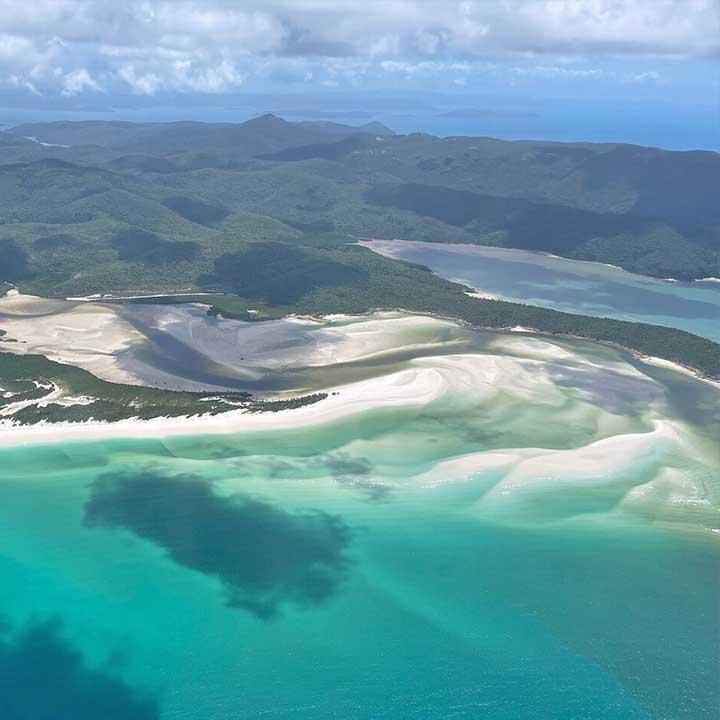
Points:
[(261, 213), (638, 244), (369, 282), (100, 400), (648, 210)]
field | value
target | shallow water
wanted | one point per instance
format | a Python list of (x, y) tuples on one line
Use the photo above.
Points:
[(380, 566), (567, 285)]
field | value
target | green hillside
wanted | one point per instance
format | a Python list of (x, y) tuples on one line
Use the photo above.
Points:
[(147, 209), (641, 245), (648, 210)]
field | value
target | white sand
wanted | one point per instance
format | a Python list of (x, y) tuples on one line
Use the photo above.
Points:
[(540, 468), (408, 387), (515, 474), (86, 336), (361, 337), (101, 339), (466, 467), (595, 462), (463, 378), (534, 347), (470, 377), (660, 362), (539, 348)]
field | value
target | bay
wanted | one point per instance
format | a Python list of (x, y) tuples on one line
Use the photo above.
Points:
[(568, 285)]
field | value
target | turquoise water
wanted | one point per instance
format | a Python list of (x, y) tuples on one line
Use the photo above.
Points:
[(345, 570), (567, 285)]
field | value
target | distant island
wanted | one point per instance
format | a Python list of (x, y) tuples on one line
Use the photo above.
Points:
[(479, 114)]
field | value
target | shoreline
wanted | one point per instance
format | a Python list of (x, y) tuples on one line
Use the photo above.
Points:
[(528, 470), (110, 297), (678, 367), (410, 387), (324, 318), (426, 383), (363, 242)]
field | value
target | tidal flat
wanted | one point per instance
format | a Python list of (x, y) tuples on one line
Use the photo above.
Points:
[(474, 524)]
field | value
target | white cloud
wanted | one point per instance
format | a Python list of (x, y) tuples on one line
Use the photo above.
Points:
[(428, 66), (214, 45), (555, 71), (199, 74), (206, 78), (15, 81), (24, 61), (644, 77), (140, 83), (78, 80), (429, 42)]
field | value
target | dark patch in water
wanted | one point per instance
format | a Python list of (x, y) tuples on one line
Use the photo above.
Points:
[(356, 473), (611, 391), (43, 677), (264, 556), (277, 468)]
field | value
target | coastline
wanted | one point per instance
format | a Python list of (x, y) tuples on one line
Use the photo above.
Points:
[(526, 471), (410, 387), (678, 367), (365, 242), (413, 386), (106, 328)]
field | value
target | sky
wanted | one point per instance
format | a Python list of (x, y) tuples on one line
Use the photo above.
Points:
[(645, 71)]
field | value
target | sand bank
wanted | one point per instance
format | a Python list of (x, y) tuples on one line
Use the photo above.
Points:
[(463, 378), (537, 468), (407, 388)]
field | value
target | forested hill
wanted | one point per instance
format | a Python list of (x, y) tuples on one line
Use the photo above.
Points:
[(263, 134), (648, 210), (259, 215)]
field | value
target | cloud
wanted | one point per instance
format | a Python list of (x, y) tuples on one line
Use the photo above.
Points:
[(644, 77), (140, 83), (183, 74), (23, 83), (149, 46), (555, 71), (428, 66), (77, 81)]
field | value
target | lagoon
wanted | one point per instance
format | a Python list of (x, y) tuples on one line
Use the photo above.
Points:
[(568, 285)]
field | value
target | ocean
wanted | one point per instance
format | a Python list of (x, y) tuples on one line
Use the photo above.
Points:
[(407, 561)]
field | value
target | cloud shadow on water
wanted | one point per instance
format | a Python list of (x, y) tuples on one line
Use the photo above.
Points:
[(264, 556), (43, 677), (613, 392), (356, 473)]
